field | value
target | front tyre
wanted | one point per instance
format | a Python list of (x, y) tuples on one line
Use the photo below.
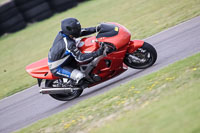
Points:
[(62, 97), (142, 58)]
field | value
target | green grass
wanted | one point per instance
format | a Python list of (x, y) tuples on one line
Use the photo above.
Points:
[(142, 17), (178, 111), (162, 102)]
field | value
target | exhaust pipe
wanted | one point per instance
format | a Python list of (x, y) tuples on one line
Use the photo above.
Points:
[(57, 90)]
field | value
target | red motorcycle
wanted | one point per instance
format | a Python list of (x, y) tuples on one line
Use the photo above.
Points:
[(120, 52)]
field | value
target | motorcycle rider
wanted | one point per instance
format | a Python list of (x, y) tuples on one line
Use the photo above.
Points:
[(64, 54)]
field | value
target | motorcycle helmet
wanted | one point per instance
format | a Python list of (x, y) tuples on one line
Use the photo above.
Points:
[(71, 26)]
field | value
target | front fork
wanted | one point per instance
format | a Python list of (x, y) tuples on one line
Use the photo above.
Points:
[(134, 45)]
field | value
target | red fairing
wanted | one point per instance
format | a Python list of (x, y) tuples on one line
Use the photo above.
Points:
[(40, 70), (121, 39), (116, 67), (88, 45), (134, 45)]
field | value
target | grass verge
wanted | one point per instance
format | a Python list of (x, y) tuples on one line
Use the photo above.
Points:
[(143, 18), (164, 101)]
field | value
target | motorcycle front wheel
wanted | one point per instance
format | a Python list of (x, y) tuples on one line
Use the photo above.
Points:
[(62, 97), (142, 58)]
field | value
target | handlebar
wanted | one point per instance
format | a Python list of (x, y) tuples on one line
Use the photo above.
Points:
[(108, 47), (105, 50)]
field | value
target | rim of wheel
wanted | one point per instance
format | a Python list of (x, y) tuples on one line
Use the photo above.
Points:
[(63, 97), (140, 57)]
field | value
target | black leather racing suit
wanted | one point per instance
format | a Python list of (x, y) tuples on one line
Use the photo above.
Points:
[(64, 54)]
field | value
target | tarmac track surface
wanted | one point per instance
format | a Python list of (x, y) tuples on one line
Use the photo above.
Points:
[(29, 106)]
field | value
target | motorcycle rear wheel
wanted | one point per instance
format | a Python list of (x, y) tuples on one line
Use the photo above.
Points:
[(142, 58), (63, 97)]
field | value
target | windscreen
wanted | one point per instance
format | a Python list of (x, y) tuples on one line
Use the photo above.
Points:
[(107, 30)]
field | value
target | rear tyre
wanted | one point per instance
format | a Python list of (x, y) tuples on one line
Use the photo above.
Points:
[(142, 58), (62, 97)]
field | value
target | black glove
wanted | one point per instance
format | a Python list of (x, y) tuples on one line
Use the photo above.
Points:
[(98, 28), (100, 51)]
